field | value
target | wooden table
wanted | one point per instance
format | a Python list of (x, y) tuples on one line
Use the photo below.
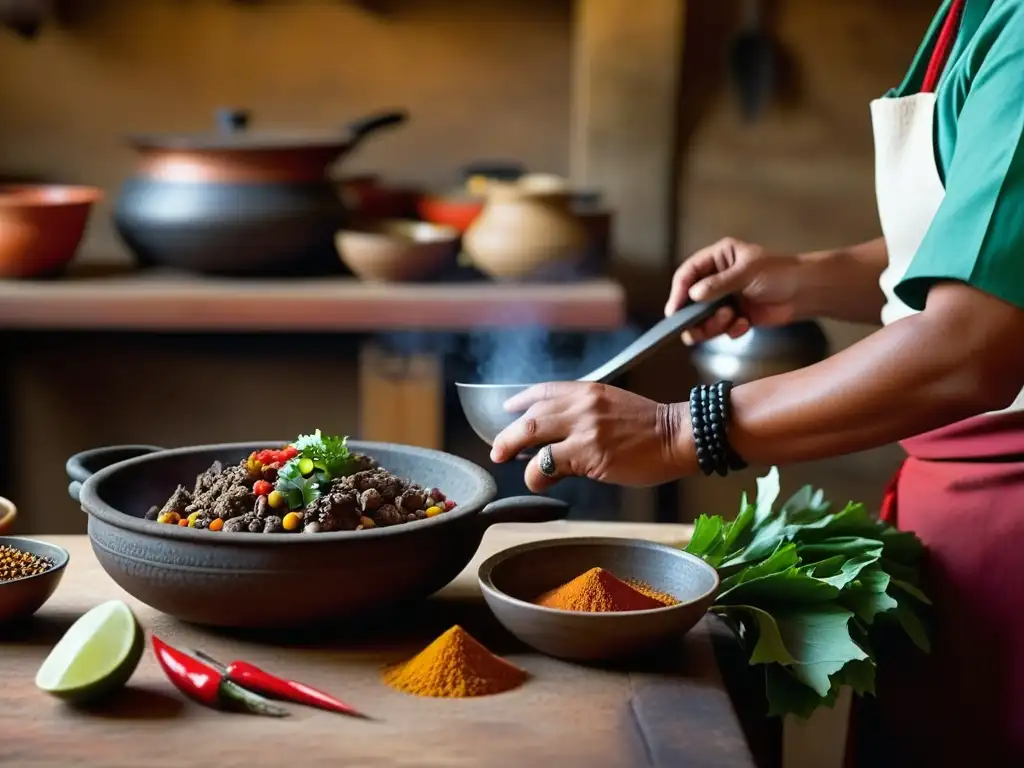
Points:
[(566, 715)]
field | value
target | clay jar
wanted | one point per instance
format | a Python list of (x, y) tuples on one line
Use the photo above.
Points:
[(527, 230)]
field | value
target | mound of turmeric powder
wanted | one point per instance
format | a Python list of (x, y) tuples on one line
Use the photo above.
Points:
[(600, 591), (455, 665)]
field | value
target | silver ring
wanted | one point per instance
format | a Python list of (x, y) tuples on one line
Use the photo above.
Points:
[(547, 462)]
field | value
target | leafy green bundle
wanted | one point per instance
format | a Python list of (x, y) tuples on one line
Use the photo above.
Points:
[(803, 588)]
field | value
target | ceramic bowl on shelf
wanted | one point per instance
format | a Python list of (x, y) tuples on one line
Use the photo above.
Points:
[(8, 513), (454, 210), (395, 250), (514, 577), (20, 598), (41, 227)]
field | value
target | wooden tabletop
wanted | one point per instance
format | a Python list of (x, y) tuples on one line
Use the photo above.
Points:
[(674, 713), (160, 301)]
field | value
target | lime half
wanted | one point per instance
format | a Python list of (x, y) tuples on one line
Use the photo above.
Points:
[(96, 656)]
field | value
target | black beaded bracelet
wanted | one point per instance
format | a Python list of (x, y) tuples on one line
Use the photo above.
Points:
[(710, 412)]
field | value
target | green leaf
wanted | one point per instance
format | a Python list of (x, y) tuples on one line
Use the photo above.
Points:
[(769, 647), (849, 546), (791, 586), (911, 590), (839, 570), (784, 558), (707, 534), (768, 488), (859, 674), (738, 531), (298, 491), (819, 639), (788, 696), (867, 597)]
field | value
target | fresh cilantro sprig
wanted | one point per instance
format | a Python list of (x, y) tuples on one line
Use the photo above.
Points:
[(805, 588), (330, 454), (329, 458)]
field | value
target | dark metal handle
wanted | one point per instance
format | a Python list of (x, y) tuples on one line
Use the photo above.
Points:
[(524, 509), (363, 127), (85, 464), (687, 317)]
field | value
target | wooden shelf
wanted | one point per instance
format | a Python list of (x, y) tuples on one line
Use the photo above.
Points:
[(173, 302)]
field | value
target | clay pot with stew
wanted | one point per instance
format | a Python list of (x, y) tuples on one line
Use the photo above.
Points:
[(528, 230), (239, 202)]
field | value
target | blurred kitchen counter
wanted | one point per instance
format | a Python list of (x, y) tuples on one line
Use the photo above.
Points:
[(112, 299)]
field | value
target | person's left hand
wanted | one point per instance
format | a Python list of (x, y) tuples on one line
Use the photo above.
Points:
[(595, 431)]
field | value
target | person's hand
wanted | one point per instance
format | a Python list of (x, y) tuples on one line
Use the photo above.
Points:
[(766, 284), (595, 431)]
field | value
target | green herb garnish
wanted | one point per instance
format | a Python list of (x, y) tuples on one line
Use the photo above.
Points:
[(803, 588), (297, 490), (329, 454)]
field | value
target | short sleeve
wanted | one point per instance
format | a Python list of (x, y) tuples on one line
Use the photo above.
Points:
[(977, 236)]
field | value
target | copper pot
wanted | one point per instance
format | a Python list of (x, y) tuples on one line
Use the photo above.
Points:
[(239, 202)]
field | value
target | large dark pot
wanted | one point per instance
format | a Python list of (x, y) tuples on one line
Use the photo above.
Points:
[(259, 580), (237, 202)]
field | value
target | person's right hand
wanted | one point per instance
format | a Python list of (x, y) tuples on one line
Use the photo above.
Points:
[(765, 283)]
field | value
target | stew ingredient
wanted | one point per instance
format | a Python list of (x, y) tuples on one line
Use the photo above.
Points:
[(455, 665), (315, 485), (207, 684), (17, 564), (597, 591)]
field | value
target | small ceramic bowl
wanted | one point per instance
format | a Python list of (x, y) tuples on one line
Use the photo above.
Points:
[(511, 579), (21, 598), (8, 512), (41, 227), (395, 250), (458, 210)]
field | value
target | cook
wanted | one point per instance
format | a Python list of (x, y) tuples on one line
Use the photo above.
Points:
[(944, 376)]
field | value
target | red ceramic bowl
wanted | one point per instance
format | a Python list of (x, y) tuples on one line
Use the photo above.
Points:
[(41, 227), (457, 212)]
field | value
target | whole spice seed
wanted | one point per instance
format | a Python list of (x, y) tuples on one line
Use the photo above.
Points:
[(597, 591), (17, 564), (454, 666)]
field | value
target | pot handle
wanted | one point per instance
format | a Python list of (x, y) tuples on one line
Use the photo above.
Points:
[(83, 465), (524, 509), (364, 126)]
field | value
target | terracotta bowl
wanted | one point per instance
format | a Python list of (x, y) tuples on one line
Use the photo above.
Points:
[(21, 598), (41, 227), (454, 211), (8, 512), (394, 250), (511, 579)]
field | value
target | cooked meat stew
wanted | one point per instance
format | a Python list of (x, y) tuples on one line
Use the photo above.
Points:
[(314, 485)]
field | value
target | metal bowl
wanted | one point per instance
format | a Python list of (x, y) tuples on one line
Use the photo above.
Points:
[(511, 579), (280, 580), (21, 598)]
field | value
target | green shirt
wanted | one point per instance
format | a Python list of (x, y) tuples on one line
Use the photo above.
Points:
[(977, 236)]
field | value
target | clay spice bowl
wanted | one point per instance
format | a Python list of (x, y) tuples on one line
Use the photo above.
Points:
[(396, 250), (20, 598), (513, 578), (41, 227)]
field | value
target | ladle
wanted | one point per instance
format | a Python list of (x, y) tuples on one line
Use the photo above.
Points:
[(484, 404)]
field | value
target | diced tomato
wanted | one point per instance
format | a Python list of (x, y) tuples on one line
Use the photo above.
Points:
[(262, 488)]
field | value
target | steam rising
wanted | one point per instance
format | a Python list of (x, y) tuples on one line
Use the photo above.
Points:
[(532, 355)]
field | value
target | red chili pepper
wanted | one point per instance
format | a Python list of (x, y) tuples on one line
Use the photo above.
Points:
[(255, 679), (208, 685)]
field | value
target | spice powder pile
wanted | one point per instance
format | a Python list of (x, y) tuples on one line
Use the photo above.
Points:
[(17, 564), (600, 591), (455, 665)]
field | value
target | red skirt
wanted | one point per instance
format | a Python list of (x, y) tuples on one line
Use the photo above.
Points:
[(961, 490)]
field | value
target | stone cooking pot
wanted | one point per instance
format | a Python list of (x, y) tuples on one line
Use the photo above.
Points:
[(258, 580)]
